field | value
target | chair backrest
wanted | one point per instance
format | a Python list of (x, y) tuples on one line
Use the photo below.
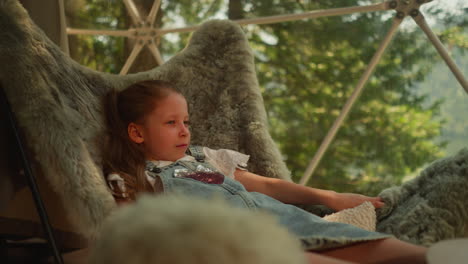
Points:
[(58, 105)]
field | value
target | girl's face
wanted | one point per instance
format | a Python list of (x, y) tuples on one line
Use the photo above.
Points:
[(165, 133)]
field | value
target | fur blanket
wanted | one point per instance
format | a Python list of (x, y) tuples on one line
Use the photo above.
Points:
[(431, 207)]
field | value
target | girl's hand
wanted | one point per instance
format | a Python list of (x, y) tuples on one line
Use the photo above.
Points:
[(341, 201)]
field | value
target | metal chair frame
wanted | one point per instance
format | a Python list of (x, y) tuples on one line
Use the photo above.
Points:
[(30, 177)]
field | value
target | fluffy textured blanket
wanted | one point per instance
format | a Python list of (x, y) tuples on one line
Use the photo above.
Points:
[(431, 207)]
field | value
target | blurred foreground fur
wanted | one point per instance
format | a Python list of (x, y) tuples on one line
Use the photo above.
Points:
[(176, 229)]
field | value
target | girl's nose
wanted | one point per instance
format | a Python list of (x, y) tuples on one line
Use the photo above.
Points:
[(184, 130)]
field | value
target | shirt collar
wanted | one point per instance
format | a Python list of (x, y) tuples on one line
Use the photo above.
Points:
[(163, 163)]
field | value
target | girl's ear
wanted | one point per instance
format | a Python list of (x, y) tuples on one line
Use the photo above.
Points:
[(134, 133)]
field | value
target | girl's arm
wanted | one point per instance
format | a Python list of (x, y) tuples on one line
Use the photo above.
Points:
[(292, 193)]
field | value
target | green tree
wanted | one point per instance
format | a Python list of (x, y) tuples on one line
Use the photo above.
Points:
[(309, 71), (103, 53), (308, 68), (441, 86)]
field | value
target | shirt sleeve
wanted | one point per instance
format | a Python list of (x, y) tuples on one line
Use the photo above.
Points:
[(121, 188), (226, 160)]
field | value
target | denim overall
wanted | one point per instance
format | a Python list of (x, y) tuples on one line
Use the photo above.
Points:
[(200, 179)]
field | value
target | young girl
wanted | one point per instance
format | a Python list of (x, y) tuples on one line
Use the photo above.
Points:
[(149, 151)]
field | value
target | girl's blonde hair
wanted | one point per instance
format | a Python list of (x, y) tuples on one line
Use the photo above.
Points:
[(133, 104)]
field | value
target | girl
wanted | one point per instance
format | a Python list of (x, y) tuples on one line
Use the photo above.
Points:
[(149, 147)]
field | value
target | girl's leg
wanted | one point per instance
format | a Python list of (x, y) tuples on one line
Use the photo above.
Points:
[(390, 250), (316, 258)]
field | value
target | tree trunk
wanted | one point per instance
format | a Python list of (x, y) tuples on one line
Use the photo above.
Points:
[(235, 10)]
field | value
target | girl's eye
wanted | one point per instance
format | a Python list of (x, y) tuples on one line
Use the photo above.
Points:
[(171, 122), (187, 123)]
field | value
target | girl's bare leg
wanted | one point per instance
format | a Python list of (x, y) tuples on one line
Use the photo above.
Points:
[(390, 250), (316, 258)]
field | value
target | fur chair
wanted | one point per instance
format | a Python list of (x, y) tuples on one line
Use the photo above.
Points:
[(57, 104), (58, 107)]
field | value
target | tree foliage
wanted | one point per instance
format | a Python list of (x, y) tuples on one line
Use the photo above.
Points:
[(311, 69), (307, 69), (102, 53)]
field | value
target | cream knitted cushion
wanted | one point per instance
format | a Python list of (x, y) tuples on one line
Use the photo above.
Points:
[(362, 216)]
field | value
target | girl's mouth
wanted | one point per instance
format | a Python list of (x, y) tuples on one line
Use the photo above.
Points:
[(181, 145)]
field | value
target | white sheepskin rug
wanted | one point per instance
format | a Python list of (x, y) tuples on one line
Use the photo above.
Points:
[(174, 229), (362, 216)]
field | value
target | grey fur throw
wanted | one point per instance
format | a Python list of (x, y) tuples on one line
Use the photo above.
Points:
[(431, 207)]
